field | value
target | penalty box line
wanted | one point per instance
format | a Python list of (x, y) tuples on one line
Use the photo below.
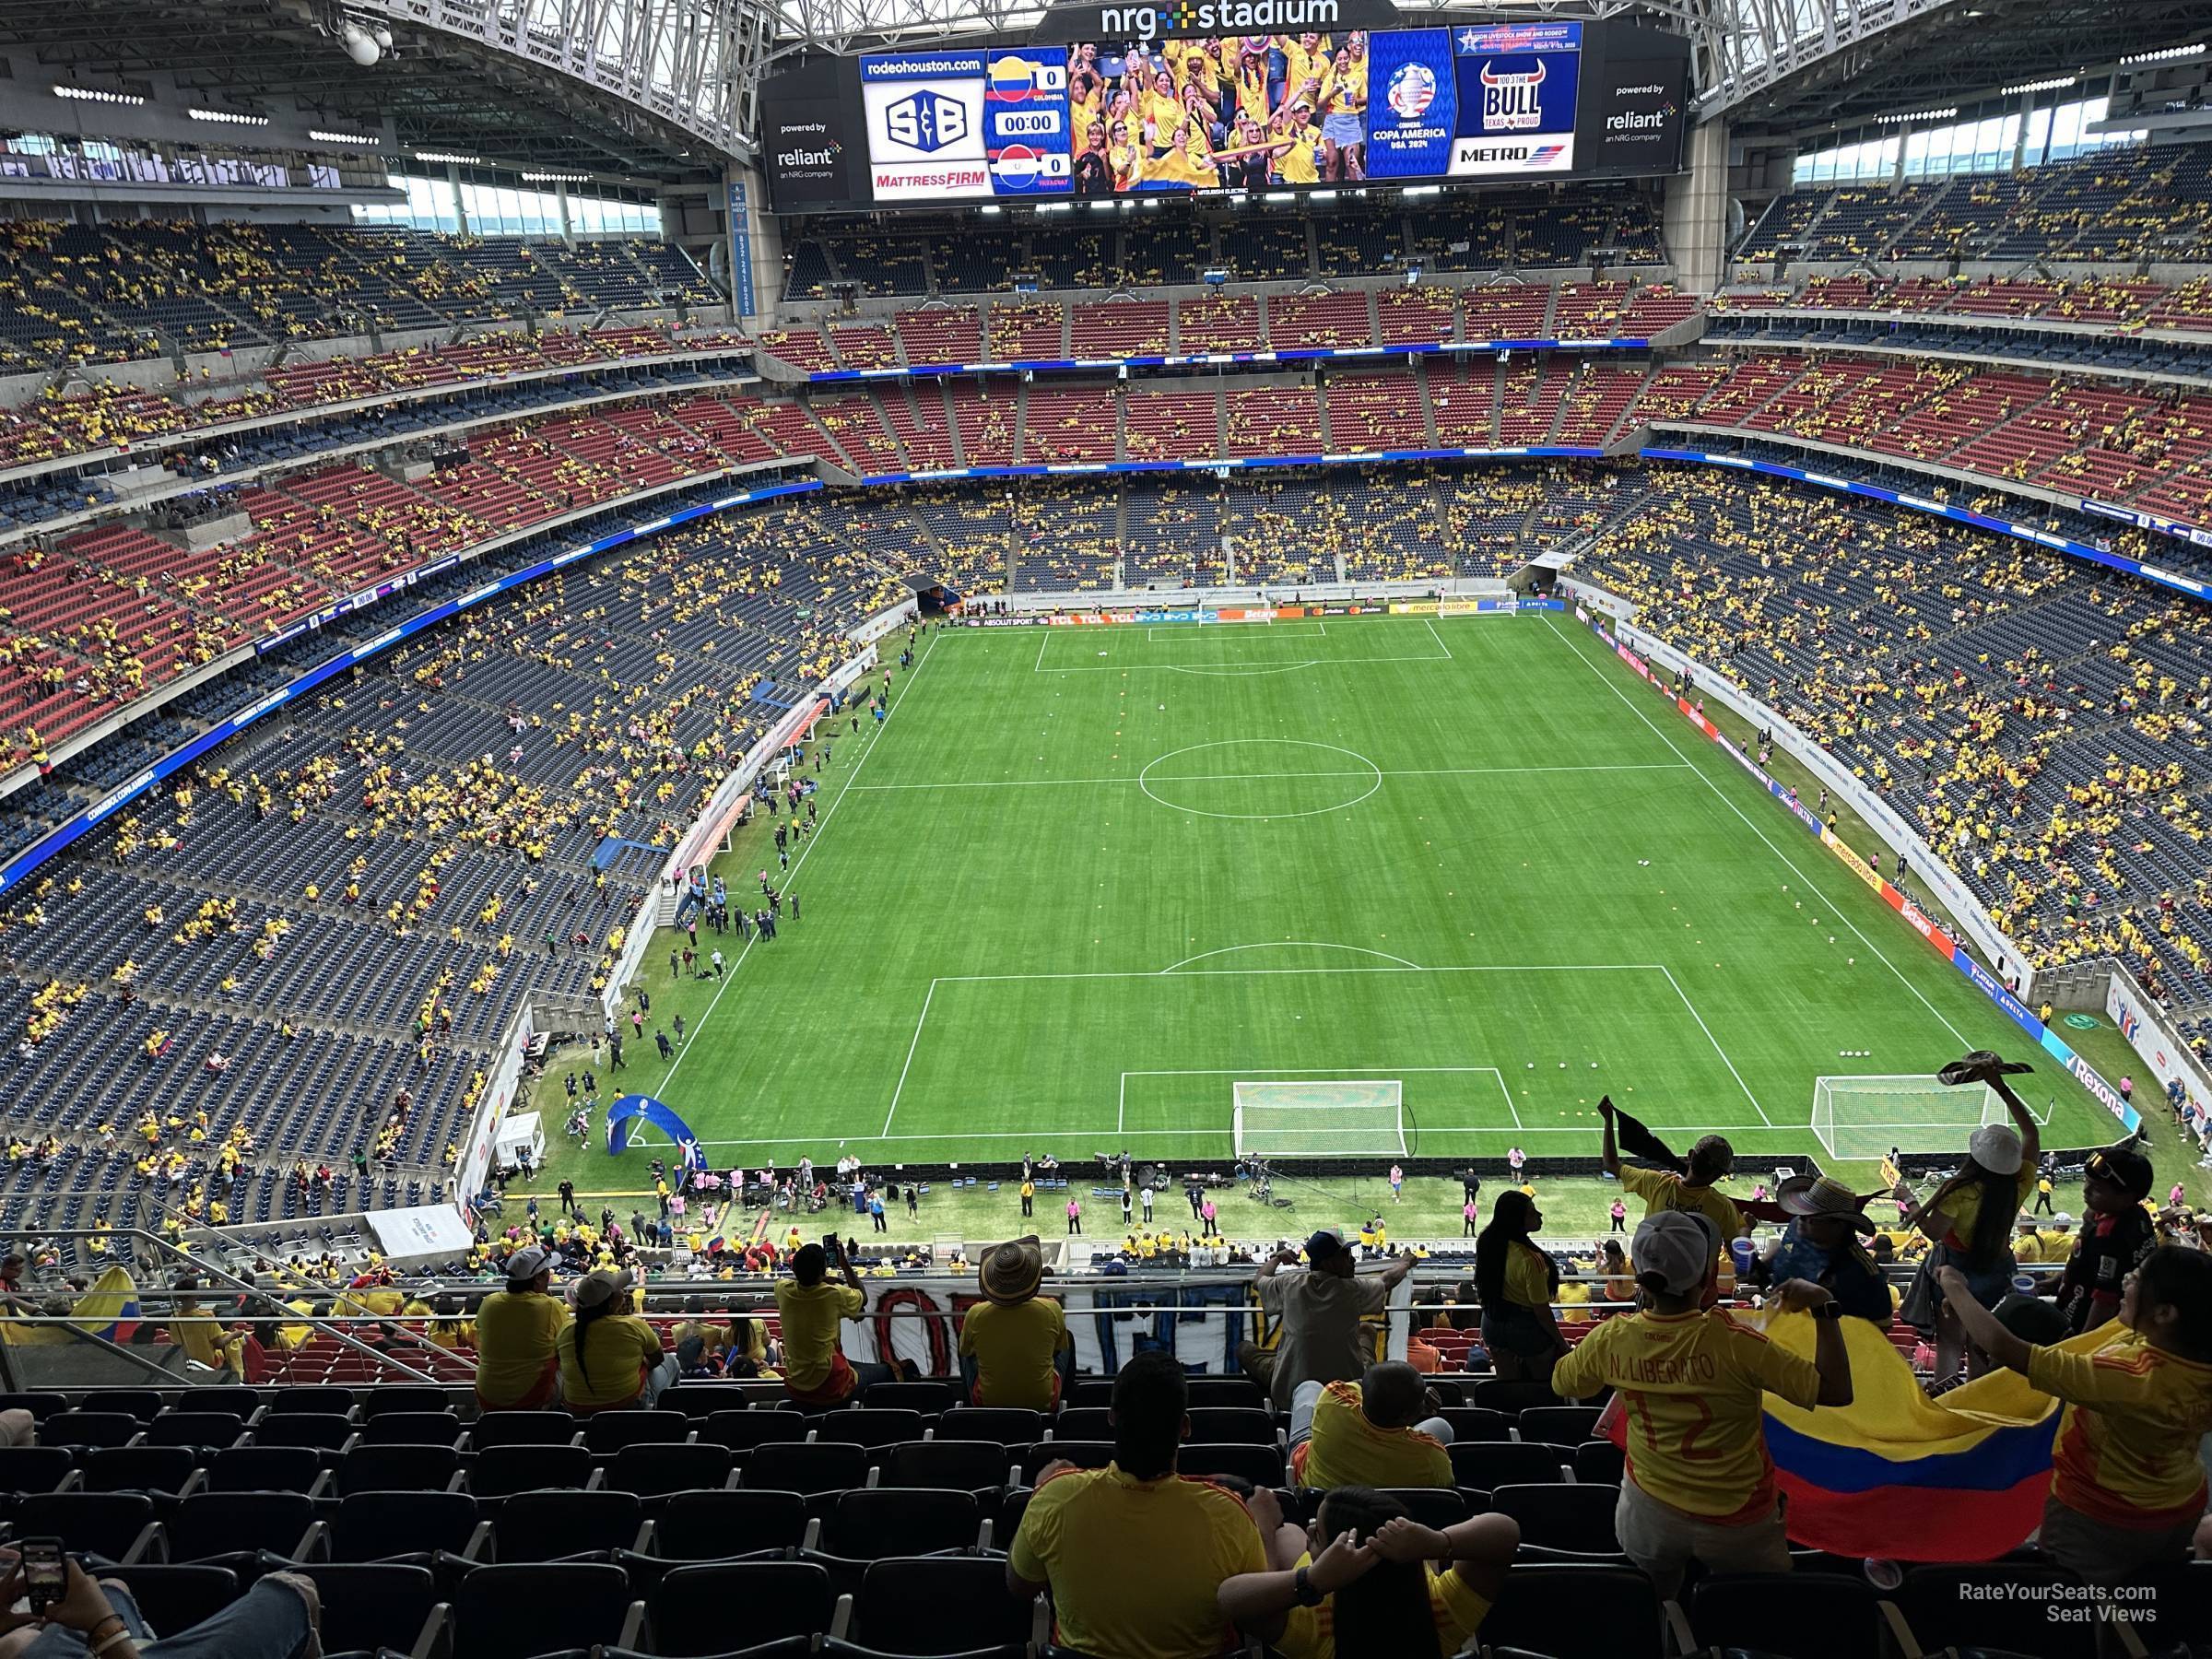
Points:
[(1260, 1074), (1659, 967)]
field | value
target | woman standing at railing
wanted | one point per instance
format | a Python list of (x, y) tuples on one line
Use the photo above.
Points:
[(1517, 1282)]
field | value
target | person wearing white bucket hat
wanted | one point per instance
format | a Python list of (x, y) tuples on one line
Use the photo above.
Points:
[(1968, 1220)]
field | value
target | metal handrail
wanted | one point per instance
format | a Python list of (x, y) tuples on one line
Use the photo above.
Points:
[(146, 1246)]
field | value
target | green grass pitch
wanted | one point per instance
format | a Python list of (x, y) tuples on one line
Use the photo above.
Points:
[(1083, 880)]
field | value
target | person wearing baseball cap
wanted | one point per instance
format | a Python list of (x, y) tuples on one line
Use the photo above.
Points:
[(1825, 1243), (611, 1359), (1320, 1310), (1700, 1485), (2116, 1234), (518, 1367), (1015, 1349), (1968, 1220)]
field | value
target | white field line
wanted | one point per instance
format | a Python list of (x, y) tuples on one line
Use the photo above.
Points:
[(1788, 863), (813, 841), (1717, 1048), (1411, 772)]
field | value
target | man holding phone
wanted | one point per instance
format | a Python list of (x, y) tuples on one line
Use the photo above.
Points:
[(816, 1372)]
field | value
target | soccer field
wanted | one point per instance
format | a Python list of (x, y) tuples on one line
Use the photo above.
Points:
[(1083, 881)]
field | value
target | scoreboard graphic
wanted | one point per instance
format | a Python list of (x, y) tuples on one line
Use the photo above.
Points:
[(965, 125)]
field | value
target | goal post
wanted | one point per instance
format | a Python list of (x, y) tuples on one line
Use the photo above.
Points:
[(1859, 1119), (1362, 1117)]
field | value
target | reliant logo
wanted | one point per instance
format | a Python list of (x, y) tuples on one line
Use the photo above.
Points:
[(1216, 16), (1640, 121), (806, 157)]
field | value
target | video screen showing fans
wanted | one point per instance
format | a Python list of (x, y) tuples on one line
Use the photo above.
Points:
[(1233, 112)]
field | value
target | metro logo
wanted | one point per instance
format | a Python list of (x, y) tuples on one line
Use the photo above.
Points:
[(926, 121)]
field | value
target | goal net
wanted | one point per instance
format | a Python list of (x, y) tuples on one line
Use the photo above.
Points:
[(1333, 1119), (1862, 1118)]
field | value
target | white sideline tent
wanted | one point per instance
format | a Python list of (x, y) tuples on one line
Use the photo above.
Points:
[(517, 1135)]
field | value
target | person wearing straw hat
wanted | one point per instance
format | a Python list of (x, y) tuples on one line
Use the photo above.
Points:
[(1825, 1243), (518, 1367), (1015, 1349), (611, 1359)]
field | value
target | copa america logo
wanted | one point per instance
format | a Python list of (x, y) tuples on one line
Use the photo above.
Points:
[(1412, 90)]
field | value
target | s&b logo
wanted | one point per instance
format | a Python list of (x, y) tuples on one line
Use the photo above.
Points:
[(926, 121)]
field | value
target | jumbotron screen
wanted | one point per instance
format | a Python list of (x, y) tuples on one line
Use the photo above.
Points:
[(1250, 113)]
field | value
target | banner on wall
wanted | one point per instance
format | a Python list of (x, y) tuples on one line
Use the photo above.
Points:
[(904, 1321)]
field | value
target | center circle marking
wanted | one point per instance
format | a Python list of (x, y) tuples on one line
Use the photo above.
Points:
[(1366, 771)]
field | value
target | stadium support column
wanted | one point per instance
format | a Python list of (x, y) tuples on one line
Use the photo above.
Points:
[(752, 245), (1697, 208), (453, 182)]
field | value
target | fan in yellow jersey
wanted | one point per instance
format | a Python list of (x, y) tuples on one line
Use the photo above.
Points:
[(1343, 108), (1196, 69), (1160, 106), (1085, 101), (1248, 80), (1187, 159), (2126, 1488), (1296, 139), (1700, 1485), (1305, 67)]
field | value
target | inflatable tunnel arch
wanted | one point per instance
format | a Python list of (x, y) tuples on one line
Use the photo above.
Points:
[(628, 1108)]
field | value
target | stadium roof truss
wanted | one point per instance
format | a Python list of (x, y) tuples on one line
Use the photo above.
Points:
[(691, 63)]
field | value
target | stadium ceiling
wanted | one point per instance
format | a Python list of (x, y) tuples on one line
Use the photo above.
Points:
[(1798, 65), (645, 88)]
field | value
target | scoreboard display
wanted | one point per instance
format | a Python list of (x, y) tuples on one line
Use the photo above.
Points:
[(1550, 99), (966, 125)]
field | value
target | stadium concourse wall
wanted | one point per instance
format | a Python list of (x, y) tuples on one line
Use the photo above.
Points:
[(1292, 354), (1199, 1318), (1640, 650), (1372, 598)]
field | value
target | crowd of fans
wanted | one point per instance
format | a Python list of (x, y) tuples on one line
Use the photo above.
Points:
[(125, 289), (1706, 1319), (2037, 722)]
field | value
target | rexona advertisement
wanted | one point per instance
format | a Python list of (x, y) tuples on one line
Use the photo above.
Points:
[(960, 125)]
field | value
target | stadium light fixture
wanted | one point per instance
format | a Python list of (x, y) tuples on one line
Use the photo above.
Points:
[(2051, 84), (95, 95), (2166, 56), (324, 135), (449, 157), (556, 178), (228, 117), (1916, 115), (991, 208)]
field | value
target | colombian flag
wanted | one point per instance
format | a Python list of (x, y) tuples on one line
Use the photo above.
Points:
[(1972, 1469), (109, 1310)]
